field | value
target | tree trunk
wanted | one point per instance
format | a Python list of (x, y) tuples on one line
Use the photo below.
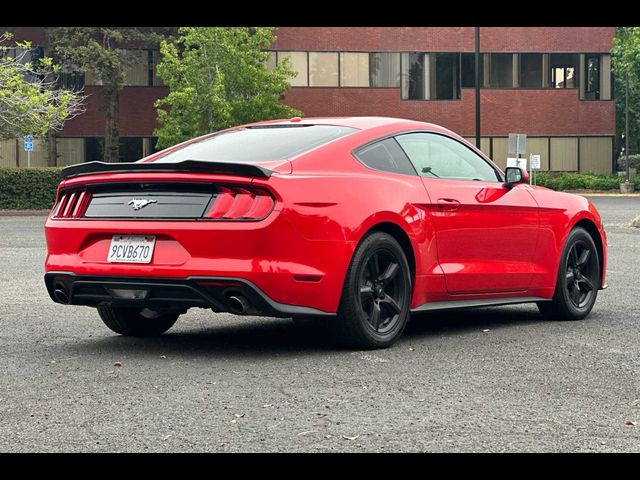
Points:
[(52, 149), (112, 125)]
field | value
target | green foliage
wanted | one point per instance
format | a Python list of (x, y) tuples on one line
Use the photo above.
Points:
[(218, 78), (625, 59), (30, 102), (28, 188), (580, 181), (634, 162)]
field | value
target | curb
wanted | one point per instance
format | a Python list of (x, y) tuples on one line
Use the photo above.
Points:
[(23, 213), (628, 195)]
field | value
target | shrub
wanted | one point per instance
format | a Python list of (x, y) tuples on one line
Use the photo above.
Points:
[(28, 188), (581, 181)]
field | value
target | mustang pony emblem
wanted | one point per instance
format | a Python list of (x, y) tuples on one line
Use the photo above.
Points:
[(137, 204)]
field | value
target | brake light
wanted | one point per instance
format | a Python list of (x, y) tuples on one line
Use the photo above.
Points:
[(240, 203), (72, 204)]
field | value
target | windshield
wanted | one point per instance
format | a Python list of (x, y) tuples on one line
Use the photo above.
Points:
[(257, 144)]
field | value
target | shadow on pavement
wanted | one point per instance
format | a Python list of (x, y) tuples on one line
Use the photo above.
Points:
[(268, 337)]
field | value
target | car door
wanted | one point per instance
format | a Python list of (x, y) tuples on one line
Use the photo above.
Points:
[(486, 233)]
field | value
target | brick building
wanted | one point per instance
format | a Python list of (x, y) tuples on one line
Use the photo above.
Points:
[(552, 83)]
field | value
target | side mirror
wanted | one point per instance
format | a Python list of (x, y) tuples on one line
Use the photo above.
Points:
[(515, 175)]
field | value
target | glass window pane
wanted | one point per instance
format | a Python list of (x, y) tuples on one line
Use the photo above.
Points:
[(563, 67), (354, 69), (298, 63), (387, 156), (500, 70), (323, 69), (138, 72), (531, 70), (384, 69), (257, 144), (468, 70), (447, 76), (592, 74), (437, 156), (413, 70)]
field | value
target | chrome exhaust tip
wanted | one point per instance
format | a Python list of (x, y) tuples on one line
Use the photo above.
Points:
[(237, 304), (61, 296)]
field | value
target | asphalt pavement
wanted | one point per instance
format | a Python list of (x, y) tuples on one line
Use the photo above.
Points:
[(485, 380)]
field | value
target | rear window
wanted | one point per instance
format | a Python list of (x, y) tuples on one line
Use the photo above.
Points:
[(257, 144)]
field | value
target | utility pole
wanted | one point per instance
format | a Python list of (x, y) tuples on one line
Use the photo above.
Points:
[(477, 81), (626, 124)]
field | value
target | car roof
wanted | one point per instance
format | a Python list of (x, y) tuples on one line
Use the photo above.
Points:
[(361, 123)]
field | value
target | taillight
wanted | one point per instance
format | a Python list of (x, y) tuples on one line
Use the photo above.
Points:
[(240, 203), (72, 204)]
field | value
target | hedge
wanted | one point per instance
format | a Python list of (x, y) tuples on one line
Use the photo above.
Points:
[(28, 188), (581, 181)]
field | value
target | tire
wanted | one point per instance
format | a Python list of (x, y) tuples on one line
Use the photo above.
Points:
[(135, 322), (578, 279), (374, 306)]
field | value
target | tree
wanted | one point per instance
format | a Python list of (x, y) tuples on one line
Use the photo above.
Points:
[(30, 103), (218, 78), (626, 64), (107, 53)]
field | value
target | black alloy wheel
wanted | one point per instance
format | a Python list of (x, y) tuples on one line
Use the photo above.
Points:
[(578, 279), (381, 290), (374, 307)]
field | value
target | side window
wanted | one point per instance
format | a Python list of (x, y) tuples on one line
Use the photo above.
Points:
[(385, 155), (438, 156)]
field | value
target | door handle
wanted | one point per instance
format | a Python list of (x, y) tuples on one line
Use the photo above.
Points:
[(449, 204)]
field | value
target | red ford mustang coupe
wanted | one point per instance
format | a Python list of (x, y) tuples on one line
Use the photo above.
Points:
[(359, 220)]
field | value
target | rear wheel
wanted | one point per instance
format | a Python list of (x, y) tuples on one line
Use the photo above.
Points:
[(137, 322), (374, 306), (578, 279)]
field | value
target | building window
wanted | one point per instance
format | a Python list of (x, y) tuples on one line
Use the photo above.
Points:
[(299, 64), (500, 70), (130, 149), (447, 76), (468, 70), (531, 70), (414, 85), (592, 77), (431, 76), (563, 70), (354, 69), (384, 70), (323, 69)]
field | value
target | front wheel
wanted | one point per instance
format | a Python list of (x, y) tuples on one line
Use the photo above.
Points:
[(374, 306), (578, 279), (137, 322)]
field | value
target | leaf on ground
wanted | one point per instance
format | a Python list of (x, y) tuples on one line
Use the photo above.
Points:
[(485, 330), (346, 437), (412, 349), (629, 423), (117, 364)]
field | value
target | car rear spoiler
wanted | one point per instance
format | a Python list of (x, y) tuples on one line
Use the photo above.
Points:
[(241, 169)]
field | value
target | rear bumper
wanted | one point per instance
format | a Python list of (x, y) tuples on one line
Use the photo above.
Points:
[(204, 292), (271, 255)]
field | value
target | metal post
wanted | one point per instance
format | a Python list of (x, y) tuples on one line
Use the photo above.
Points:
[(626, 125), (29, 159), (477, 83)]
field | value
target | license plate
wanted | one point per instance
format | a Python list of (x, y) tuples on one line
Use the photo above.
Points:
[(131, 248)]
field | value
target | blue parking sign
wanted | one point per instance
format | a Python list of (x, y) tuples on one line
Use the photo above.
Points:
[(28, 143)]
